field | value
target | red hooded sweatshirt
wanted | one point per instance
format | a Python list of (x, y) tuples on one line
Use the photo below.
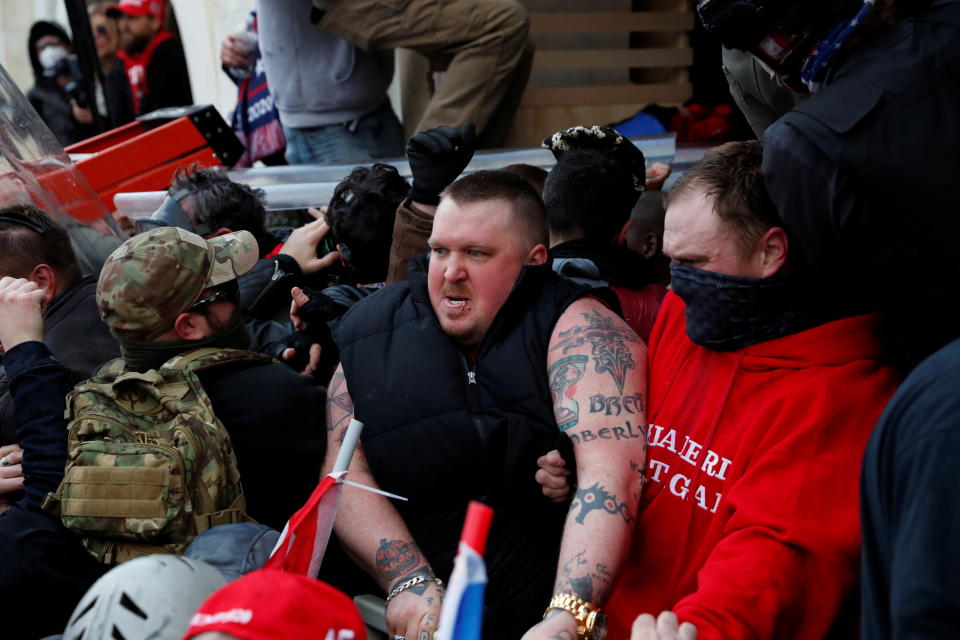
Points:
[(749, 525)]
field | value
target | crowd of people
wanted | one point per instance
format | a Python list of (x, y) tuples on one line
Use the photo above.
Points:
[(702, 412)]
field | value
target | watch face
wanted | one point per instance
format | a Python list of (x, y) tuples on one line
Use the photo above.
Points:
[(597, 625)]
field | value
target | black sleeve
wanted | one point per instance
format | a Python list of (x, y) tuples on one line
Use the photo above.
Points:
[(168, 82), (911, 508), (39, 384), (813, 194)]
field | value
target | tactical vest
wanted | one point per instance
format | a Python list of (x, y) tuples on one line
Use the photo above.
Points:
[(150, 466)]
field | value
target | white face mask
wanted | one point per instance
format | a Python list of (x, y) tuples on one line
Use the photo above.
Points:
[(52, 55)]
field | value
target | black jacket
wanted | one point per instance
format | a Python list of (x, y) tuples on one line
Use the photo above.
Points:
[(863, 175), (442, 429), (911, 508)]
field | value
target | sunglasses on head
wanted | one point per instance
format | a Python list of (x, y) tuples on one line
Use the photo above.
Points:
[(227, 292)]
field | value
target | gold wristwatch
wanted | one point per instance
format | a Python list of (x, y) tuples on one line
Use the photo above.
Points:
[(591, 620)]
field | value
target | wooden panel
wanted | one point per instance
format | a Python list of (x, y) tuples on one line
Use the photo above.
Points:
[(610, 21), (533, 124), (613, 58), (612, 94)]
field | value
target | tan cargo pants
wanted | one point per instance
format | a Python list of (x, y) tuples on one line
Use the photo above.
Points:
[(485, 42)]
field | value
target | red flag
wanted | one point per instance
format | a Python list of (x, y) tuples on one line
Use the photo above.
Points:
[(304, 538)]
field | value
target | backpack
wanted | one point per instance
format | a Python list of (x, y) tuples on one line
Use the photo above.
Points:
[(150, 466)]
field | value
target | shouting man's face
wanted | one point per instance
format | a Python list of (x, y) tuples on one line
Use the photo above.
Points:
[(476, 254)]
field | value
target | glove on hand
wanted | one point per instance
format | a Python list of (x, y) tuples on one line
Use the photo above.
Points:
[(318, 311), (602, 139), (301, 341), (437, 157)]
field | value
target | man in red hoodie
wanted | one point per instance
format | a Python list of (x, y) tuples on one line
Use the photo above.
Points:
[(152, 57), (760, 408)]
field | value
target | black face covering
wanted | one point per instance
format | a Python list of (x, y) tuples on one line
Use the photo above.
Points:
[(141, 355), (726, 313)]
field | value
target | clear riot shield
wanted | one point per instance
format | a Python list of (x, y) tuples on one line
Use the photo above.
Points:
[(34, 169)]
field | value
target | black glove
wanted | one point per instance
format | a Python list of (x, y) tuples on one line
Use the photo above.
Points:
[(437, 157), (301, 341), (319, 310), (602, 139)]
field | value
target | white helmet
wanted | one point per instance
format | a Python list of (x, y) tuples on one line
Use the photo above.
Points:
[(149, 597)]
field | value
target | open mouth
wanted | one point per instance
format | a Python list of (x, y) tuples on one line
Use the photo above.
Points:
[(455, 303)]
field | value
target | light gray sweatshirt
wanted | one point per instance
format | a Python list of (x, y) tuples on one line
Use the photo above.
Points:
[(315, 78)]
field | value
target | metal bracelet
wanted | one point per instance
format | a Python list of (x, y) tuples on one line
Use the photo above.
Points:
[(412, 582)]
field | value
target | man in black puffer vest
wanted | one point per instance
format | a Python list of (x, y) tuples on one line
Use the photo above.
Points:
[(464, 375)]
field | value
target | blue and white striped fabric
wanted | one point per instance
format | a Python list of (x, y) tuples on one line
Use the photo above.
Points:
[(461, 617)]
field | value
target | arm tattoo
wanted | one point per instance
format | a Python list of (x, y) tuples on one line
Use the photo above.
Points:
[(563, 376), (339, 397), (586, 584), (596, 498), (607, 340), (396, 558)]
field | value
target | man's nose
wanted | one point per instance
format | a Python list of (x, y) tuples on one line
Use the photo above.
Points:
[(455, 269)]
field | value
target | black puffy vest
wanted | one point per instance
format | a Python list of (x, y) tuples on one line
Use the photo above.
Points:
[(442, 429)]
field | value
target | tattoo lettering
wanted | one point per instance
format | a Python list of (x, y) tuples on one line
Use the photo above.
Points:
[(607, 342), (397, 558), (563, 376), (615, 405), (625, 432), (339, 397), (596, 498)]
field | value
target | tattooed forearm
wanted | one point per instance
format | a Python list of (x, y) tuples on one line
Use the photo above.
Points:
[(339, 404), (596, 498), (397, 558), (592, 585), (607, 338), (563, 376)]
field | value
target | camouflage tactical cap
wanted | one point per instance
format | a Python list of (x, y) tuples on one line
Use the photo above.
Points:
[(155, 276)]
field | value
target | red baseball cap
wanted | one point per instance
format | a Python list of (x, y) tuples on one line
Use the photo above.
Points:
[(137, 8), (268, 604)]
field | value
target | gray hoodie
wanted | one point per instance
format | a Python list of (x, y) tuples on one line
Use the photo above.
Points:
[(315, 78)]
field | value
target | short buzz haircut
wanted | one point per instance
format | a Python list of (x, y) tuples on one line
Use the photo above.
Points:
[(536, 176), (731, 175), (22, 247), (525, 204)]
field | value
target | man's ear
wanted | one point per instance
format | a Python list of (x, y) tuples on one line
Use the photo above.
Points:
[(773, 251), (647, 245), (191, 326), (537, 255), (222, 231), (621, 238), (46, 278)]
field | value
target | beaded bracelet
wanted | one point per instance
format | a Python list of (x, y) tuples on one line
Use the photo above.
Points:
[(412, 582)]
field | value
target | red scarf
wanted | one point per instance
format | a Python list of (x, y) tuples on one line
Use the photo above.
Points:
[(136, 67)]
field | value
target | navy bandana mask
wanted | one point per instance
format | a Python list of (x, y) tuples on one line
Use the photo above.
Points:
[(726, 313)]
